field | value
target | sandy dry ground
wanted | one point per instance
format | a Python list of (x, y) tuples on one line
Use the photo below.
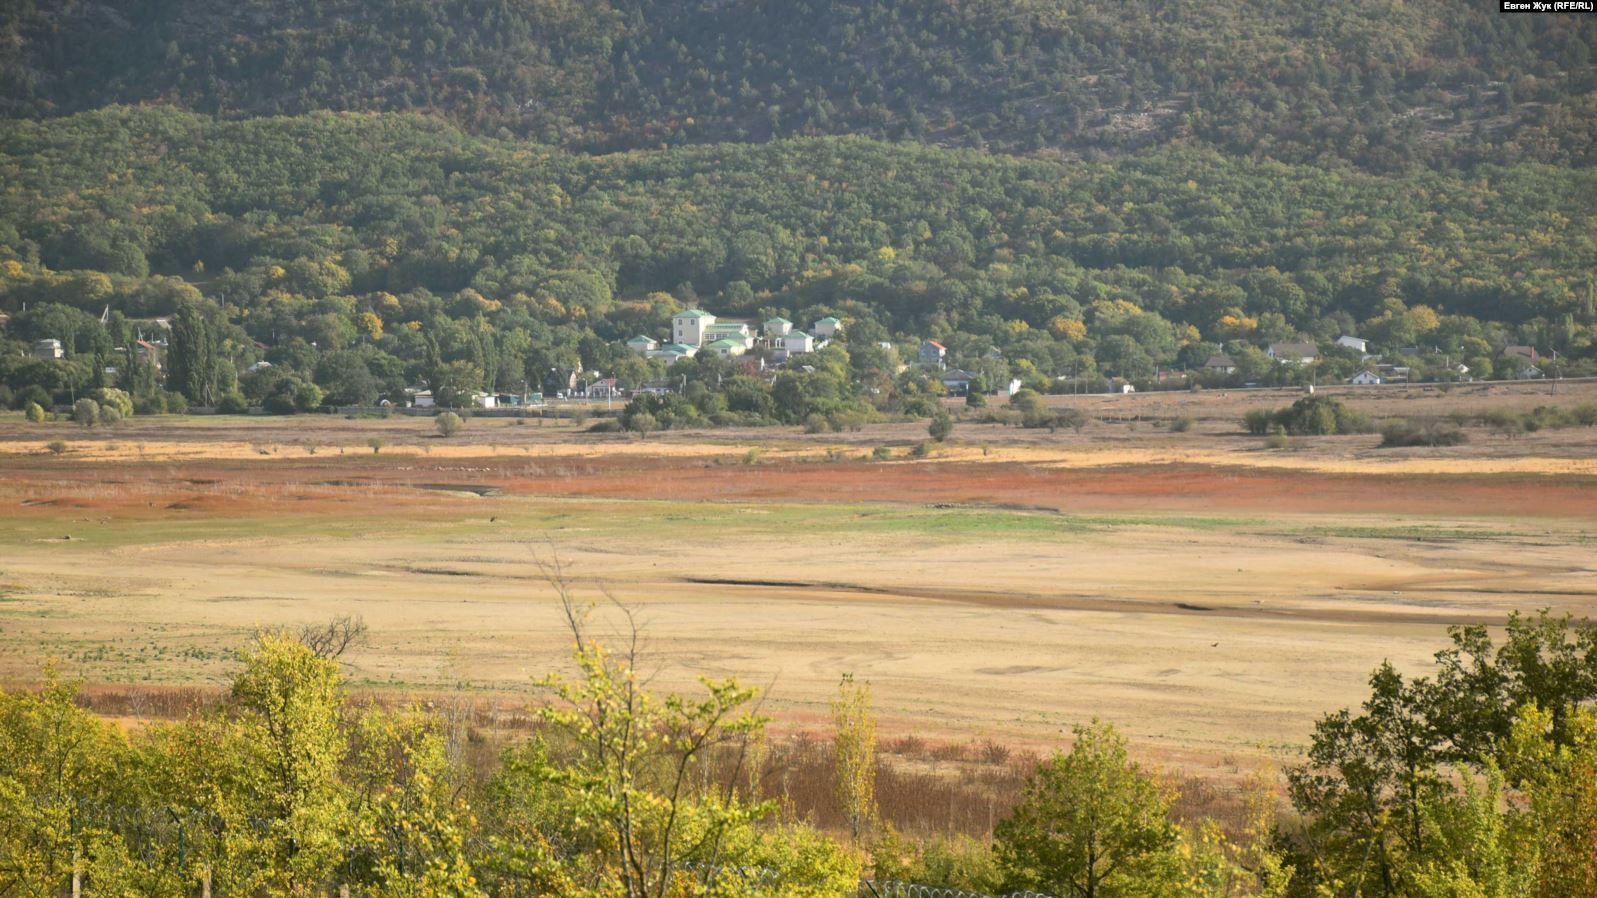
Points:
[(1209, 597)]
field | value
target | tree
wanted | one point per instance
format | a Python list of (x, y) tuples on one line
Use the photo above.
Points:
[(643, 424), (1559, 781), (941, 426), (1091, 823), (448, 423), (86, 412), (854, 754), (53, 756), (193, 356), (289, 701), (35, 413), (1367, 781), (637, 777)]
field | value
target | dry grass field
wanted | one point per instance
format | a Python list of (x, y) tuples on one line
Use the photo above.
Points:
[(1208, 595)]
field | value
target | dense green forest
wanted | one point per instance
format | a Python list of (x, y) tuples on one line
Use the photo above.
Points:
[(401, 246), (463, 195), (1384, 84)]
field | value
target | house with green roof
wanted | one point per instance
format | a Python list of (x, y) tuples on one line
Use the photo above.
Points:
[(689, 327), (729, 330), (777, 328), (673, 351), (826, 328), (643, 345), (726, 349)]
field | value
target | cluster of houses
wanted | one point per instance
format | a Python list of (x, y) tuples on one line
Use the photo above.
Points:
[(696, 330), (1525, 359)]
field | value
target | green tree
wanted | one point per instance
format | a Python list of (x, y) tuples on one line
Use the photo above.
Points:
[(941, 426), (86, 412), (193, 355), (637, 771), (448, 423), (1090, 824), (854, 755), (289, 704)]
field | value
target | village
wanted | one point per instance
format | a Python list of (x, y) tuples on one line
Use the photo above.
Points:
[(763, 349)]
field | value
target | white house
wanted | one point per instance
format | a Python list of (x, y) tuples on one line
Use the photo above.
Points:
[(797, 343), (643, 345), (729, 330), (826, 327), (48, 349), (1359, 343), (726, 348), (777, 328), (689, 327), (604, 388), (261, 365), (1530, 372), (1366, 379), (671, 352), (479, 399), (1293, 353), (420, 398)]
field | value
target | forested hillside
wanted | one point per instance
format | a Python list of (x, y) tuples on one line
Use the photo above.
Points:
[(1384, 84), (408, 240), (464, 194)]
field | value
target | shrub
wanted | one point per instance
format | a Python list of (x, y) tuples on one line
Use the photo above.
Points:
[(233, 403), (1586, 415), (815, 422), (1548, 417), (1073, 418), (882, 453), (307, 398), (175, 403), (112, 398), (31, 393), (280, 402), (86, 412), (149, 403), (377, 444), (1309, 416), (643, 424), (35, 413), (942, 427), (603, 425), (1181, 424), (975, 399), (849, 420), (56, 447), (1258, 421), (448, 423), (751, 457), (921, 450), (1421, 432), (110, 416), (1277, 439)]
